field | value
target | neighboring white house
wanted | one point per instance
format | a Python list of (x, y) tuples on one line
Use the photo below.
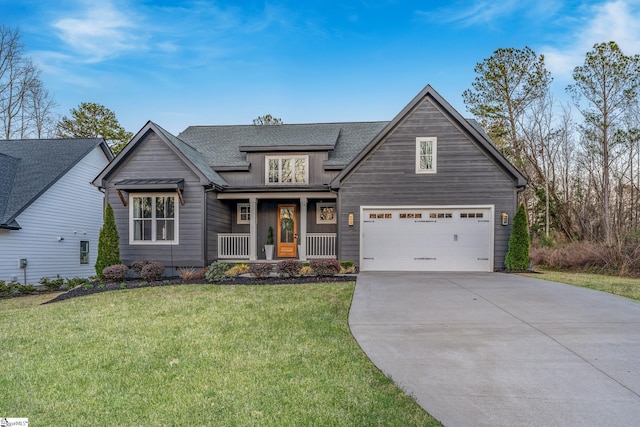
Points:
[(50, 214)]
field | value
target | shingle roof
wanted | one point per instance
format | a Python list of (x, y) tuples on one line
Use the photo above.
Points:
[(29, 167), (222, 146)]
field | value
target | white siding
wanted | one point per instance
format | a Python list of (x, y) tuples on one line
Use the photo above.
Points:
[(72, 209)]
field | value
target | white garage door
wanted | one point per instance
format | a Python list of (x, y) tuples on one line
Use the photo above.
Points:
[(426, 239)]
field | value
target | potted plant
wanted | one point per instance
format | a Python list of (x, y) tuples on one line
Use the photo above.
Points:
[(268, 248)]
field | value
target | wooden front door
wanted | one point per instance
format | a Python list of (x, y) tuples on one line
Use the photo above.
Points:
[(287, 231)]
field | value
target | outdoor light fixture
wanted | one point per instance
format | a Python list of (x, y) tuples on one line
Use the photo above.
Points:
[(350, 218), (505, 218)]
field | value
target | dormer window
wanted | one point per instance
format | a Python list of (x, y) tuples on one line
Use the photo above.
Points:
[(286, 170)]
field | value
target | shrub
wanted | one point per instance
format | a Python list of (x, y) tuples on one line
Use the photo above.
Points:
[(260, 271), (152, 272), (108, 243), (191, 273), (115, 273), (325, 267), (217, 271), (290, 267), (74, 282), (306, 270), (52, 284), (238, 269), (517, 258), (347, 267), (7, 289), (26, 289), (137, 266)]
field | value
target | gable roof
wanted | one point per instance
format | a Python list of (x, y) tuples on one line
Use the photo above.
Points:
[(192, 157), (29, 167), (471, 127), (224, 147)]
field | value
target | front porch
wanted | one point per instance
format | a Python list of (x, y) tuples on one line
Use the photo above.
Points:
[(236, 246), (303, 224)]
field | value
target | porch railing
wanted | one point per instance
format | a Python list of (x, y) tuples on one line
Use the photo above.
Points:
[(236, 245), (321, 245), (233, 245)]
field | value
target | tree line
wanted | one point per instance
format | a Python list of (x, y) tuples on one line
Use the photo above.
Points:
[(582, 159), (27, 109)]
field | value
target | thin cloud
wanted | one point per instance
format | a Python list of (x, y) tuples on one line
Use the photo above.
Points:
[(609, 21), (98, 31)]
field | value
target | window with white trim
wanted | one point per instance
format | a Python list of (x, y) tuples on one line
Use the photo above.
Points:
[(84, 252), (286, 170), (326, 213), (153, 218), (244, 213), (426, 154)]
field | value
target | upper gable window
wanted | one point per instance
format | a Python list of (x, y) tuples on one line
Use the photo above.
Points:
[(153, 218), (426, 155), (287, 170)]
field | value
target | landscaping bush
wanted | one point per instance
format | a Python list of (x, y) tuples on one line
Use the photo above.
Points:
[(115, 273), (108, 243), (191, 273), (325, 267), (26, 289), (260, 271), (217, 271), (7, 289), (137, 266), (52, 284), (290, 268), (347, 267), (75, 282), (306, 270), (238, 269), (517, 258), (152, 272)]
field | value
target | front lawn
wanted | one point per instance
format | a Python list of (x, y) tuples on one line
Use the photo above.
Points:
[(624, 286), (195, 355)]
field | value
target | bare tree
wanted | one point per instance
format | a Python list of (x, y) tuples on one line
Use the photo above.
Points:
[(26, 108), (267, 120)]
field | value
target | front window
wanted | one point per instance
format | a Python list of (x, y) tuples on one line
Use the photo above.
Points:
[(244, 213), (287, 170), (153, 218), (326, 213), (426, 159)]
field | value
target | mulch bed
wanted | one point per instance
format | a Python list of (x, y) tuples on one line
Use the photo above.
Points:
[(96, 287)]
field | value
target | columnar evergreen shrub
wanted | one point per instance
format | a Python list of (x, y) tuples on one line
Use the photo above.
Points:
[(517, 258), (108, 243)]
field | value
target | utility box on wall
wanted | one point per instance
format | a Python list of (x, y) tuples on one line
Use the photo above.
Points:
[(22, 263)]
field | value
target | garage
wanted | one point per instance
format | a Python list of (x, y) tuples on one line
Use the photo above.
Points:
[(418, 238)]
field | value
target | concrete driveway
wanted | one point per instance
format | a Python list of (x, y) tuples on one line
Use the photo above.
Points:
[(493, 349)]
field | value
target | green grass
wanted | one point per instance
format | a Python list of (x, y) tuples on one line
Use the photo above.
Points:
[(624, 286), (195, 355)]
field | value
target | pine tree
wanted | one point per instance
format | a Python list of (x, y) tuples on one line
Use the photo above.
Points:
[(108, 243), (517, 258)]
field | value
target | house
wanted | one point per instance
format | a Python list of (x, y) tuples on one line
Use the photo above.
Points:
[(50, 214), (426, 191)]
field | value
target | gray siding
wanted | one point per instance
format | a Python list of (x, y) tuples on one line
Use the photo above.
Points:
[(154, 159), (220, 218), (466, 175)]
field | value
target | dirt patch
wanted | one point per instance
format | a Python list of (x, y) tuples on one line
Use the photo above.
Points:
[(96, 287)]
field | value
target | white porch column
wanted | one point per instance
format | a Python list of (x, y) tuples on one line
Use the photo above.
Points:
[(302, 236), (253, 229)]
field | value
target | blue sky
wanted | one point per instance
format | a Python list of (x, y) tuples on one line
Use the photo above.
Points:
[(182, 63)]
